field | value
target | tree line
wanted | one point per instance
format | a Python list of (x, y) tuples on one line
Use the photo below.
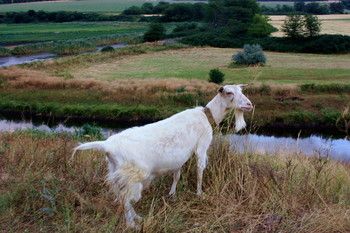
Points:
[(33, 16), (20, 1), (310, 8), (180, 12)]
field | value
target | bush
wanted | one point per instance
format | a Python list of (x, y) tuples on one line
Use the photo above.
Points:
[(89, 131), (216, 76), (108, 49), (73, 47), (155, 32), (323, 44), (251, 55), (4, 51), (32, 48), (328, 44)]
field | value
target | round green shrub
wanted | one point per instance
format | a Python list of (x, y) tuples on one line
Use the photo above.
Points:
[(108, 49), (216, 76), (251, 55), (4, 51)]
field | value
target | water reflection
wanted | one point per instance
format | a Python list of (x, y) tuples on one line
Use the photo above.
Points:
[(14, 60), (250, 143), (310, 146), (11, 126)]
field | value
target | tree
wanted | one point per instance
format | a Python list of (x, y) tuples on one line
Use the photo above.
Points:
[(133, 10), (337, 8), (312, 26), (234, 16), (346, 4), (260, 27), (299, 6), (147, 8), (155, 32), (316, 8), (293, 26), (296, 26), (178, 12)]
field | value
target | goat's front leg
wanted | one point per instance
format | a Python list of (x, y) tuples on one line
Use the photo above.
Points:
[(176, 177), (201, 165)]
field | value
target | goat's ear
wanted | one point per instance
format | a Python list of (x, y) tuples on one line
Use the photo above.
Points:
[(221, 89), (243, 85)]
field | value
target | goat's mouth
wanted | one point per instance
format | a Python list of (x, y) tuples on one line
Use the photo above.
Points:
[(246, 108)]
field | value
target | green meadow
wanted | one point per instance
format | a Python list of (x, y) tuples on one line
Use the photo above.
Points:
[(14, 33)]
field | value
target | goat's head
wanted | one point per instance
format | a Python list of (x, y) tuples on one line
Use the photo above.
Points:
[(234, 98)]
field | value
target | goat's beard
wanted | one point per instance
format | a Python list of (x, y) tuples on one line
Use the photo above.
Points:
[(239, 118)]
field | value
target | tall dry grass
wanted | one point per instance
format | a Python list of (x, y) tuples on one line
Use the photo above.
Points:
[(43, 190), (150, 89)]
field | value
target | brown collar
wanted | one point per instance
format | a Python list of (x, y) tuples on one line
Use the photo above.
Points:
[(210, 117)]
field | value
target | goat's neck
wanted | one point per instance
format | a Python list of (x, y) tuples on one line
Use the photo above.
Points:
[(218, 109)]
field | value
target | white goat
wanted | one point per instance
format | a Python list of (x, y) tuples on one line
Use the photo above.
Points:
[(137, 155)]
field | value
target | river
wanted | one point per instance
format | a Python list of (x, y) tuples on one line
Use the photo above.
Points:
[(17, 60), (257, 143)]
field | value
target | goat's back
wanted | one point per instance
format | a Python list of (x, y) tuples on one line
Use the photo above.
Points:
[(163, 146)]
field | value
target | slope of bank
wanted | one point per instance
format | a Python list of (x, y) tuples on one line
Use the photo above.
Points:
[(43, 189)]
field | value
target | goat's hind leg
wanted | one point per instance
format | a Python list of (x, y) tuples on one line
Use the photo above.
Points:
[(129, 212), (176, 178)]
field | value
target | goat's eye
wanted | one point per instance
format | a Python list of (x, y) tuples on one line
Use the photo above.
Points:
[(229, 93)]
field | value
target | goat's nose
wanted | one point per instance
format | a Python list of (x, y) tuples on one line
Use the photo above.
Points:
[(249, 104)]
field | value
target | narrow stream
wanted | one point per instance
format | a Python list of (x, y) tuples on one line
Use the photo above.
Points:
[(311, 145), (16, 60)]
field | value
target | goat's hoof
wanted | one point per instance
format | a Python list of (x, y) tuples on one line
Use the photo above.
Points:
[(138, 218), (132, 225), (172, 198)]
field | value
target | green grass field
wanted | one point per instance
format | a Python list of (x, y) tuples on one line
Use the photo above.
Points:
[(281, 68), (80, 6), (13, 33)]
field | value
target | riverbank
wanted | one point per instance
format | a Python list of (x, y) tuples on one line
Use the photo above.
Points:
[(43, 189), (153, 81)]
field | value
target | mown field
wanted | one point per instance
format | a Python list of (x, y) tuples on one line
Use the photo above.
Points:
[(15, 33), (195, 63)]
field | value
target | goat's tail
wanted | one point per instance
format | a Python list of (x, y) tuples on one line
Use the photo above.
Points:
[(99, 145)]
